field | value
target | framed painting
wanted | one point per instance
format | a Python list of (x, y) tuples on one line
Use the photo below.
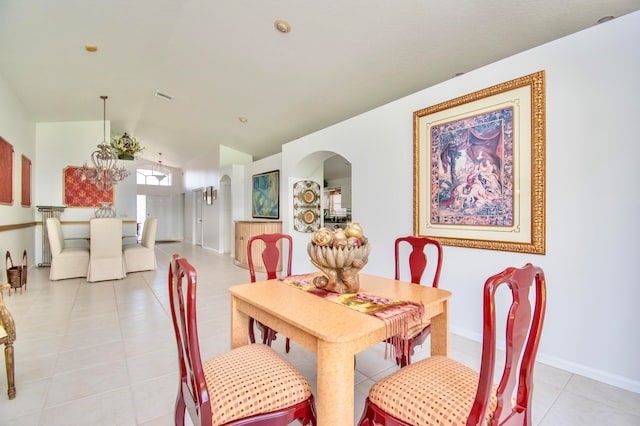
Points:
[(265, 195), (82, 193), (25, 179), (479, 168), (6, 172)]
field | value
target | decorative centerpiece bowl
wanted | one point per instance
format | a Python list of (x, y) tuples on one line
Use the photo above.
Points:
[(340, 255)]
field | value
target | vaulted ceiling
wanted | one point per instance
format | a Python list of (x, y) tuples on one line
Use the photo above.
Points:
[(224, 60)]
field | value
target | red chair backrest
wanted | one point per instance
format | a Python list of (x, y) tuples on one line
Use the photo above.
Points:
[(183, 313), (418, 258), (524, 326), (270, 254)]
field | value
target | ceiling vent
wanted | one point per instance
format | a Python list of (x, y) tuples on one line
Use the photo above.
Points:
[(164, 96)]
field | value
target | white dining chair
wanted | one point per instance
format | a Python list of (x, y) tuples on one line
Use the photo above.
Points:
[(66, 262), (142, 257), (106, 261)]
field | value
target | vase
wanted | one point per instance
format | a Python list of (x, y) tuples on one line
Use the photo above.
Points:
[(125, 156), (340, 267), (105, 210)]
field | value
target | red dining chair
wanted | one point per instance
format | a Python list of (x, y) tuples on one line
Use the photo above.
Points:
[(251, 384), (271, 259), (417, 268), (439, 390)]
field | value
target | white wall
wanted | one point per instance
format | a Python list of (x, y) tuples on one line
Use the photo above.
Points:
[(592, 197), (19, 131)]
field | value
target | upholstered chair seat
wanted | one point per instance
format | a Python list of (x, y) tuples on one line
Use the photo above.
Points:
[(440, 391), (444, 399), (142, 257), (66, 262), (266, 381), (251, 384), (105, 261)]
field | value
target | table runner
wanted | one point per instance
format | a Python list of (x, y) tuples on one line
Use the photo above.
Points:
[(398, 315)]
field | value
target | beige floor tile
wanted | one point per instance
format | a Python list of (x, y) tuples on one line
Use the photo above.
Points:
[(155, 397), (105, 409), (149, 365), (105, 353), (88, 381), (30, 398), (77, 359), (571, 409), (610, 395)]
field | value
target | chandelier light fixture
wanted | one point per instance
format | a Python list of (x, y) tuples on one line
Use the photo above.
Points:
[(159, 171), (105, 171)]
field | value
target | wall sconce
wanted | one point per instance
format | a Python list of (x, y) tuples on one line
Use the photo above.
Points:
[(209, 195)]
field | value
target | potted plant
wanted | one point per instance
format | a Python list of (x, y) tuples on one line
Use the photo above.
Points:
[(126, 147)]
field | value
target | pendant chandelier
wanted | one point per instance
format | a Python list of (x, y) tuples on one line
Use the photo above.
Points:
[(158, 170), (105, 171)]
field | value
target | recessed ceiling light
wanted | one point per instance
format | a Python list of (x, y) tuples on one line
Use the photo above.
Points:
[(282, 26), (605, 19), (243, 119), (90, 48)]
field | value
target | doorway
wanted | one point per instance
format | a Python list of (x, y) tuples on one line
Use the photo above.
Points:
[(198, 230)]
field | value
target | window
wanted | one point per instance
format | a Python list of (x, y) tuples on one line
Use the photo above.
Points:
[(153, 177)]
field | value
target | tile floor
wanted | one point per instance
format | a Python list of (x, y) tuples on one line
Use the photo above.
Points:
[(104, 353)]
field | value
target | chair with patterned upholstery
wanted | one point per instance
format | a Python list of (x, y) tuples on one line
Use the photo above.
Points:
[(417, 265), (439, 390), (271, 260), (251, 384), (7, 337)]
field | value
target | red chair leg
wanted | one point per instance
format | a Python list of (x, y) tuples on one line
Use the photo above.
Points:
[(181, 408), (252, 336)]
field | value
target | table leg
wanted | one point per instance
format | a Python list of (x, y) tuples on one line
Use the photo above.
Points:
[(239, 326), (440, 332), (335, 384)]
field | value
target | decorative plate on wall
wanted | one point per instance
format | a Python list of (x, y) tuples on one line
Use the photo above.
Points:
[(306, 206)]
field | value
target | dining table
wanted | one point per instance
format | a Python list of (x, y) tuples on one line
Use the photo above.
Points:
[(333, 331)]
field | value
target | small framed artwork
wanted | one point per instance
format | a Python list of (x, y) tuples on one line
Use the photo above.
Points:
[(25, 175), (479, 168), (265, 195), (6, 172)]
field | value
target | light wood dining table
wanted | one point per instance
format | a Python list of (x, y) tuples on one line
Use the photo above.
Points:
[(334, 332)]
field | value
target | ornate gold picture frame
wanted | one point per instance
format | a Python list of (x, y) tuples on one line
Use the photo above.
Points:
[(479, 168)]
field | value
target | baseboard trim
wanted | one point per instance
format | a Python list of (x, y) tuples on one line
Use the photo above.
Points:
[(572, 367)]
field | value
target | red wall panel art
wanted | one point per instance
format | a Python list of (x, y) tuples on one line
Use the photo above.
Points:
[(79, 193)]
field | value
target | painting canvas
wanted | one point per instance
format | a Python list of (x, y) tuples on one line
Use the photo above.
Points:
[(6, 172), (25, 173), (82, 193), (265, 201), (479, 168)]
